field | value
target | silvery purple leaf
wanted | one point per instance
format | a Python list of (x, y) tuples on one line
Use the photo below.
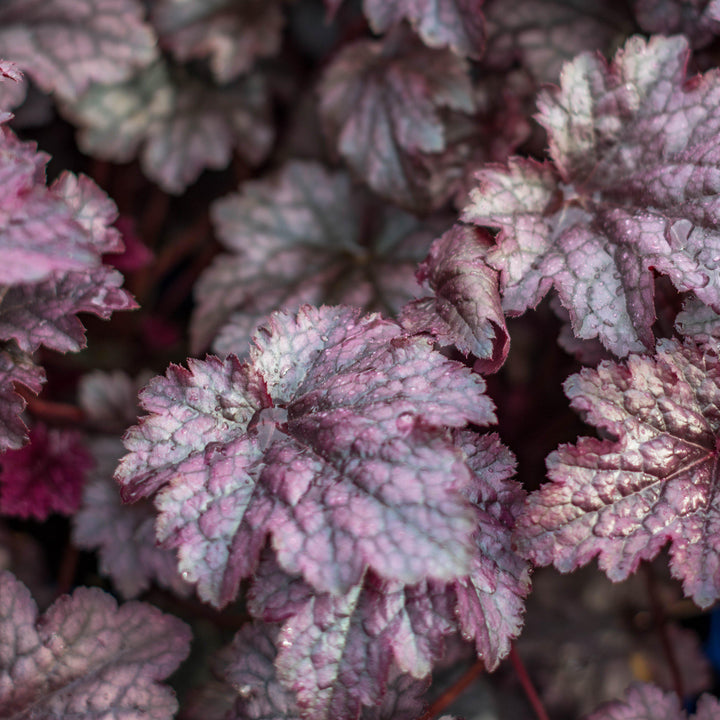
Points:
[(466, 309), (305, 235), (630, 190), (699, 20), (624, 499), (230, 33), (330, 439), (86, 658), (178, 124), (65, 45), (384, 107)]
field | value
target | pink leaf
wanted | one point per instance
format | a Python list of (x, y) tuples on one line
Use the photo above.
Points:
[(328, 439), (623, 499), (466, 310), (86, 657), (633, 146)]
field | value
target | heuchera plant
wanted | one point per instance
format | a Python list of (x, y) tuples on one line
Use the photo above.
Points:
[(352, 234)]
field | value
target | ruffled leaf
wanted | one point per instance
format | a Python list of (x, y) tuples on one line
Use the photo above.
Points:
[(304, 236), (622, 500), (327, 439), (86, 658), (632, 189)]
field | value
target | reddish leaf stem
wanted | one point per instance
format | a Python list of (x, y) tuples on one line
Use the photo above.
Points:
[(54, 412), (68, 569), (660, 622), (455, 690), (527, 685)]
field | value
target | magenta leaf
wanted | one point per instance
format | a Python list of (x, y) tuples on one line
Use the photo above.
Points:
[(180, 125), (491, 598), (541, 35), (327, 439), (384, 107), (623, 499), (64, 45), (304, 237), (628, 191), (466, 310), (44, 476), (123, 535), (457, 24), (647, 702), (86, 658), (699, 20), (231, 33), (16, 367)]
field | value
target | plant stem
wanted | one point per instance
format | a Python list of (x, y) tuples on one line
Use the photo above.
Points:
[(54, 412), (472, 673), (527, 685)]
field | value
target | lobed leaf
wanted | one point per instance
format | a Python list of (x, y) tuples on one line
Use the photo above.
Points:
[(383, 106), (457, 24), (699, 20), (632, 190), (65, 45), (231, 33), (623, 499), (86, 657), (179, 125), (303, 236), (466, 309), (328, 439)]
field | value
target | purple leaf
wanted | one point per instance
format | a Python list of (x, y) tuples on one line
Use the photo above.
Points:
[(178, 124), (699, 20), (384, 105), (540, 35), (44, 313), (337, 653), (42, 232), (490, 600), (231, 33), (45, 476), (86, 658), (647, 702), (15, 367), (457, 24), (303, 237), (466, 310), (65, 45), (328, 439), (631, 190), (623, 499), (698, 321), (123, 535), (109, 399)]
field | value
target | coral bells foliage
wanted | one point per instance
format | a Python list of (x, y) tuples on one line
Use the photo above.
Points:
[(306, 191)]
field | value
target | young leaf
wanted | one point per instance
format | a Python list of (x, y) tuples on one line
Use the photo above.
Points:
[(179, 124), (304, 236), (123, 535), (466, 310), (231, 33), (647, 702), (327, 439), (46, 475), (623, 499), (384, 106), (457, 24), (64, 45), (632, 188), (86, 658)]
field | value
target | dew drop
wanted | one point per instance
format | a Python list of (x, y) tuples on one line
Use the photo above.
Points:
[(324, 338), (405, 422), (244, 690), (185, 575)]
